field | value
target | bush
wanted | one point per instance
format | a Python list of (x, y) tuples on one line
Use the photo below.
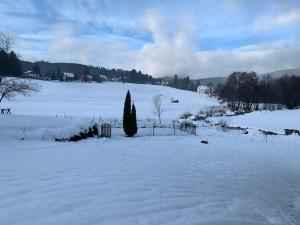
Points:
[(211, 111), (186, 115), (90, 133), (223, 125), (95, 130)]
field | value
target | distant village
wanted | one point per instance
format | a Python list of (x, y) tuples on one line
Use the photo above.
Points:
[(84, 75)]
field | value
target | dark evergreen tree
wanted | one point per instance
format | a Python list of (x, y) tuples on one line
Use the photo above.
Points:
[(36, 69), (133, 121), (3, 63), (53, 75), (15, 66), (129, 117), (10, 65), (127, 114), (175, 81)]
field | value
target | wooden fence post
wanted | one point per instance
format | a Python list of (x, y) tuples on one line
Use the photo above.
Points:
[(153, 127), (174, 127)]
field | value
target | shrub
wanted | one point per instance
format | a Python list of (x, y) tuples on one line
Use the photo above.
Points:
[(95, 130), (90, 133), (186, 115), (223, 125)]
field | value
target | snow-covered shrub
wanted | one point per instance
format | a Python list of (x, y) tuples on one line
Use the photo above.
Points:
[(200, 116), (211, 111), (186, 115), (223, 124), (188, 127), (216, 111), (83, 134)]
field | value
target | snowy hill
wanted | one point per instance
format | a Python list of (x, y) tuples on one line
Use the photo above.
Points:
[(106, 100)]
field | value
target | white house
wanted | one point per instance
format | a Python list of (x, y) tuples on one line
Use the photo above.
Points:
[(68, 76), (103, 77), (201, 89), (31, 74)]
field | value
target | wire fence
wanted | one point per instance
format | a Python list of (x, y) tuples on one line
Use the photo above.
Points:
[(152, 127)]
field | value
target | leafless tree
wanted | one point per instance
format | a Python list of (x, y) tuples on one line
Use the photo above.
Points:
[(157, 107), (6, 41), (10, 87)]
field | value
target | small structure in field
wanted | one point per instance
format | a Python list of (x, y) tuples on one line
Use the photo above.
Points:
[(103, 77), (106, 130), (5, 111), (68, 76), (201, 89), (31, 74), (86, 78), (174, 100)]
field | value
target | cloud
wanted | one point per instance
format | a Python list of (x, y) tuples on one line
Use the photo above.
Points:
[(267, 23), (195, 38), (174, 51), (66, 46)]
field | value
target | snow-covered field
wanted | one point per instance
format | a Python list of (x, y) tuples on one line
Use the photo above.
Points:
[(275, 121), (106, 100), (235, 179)]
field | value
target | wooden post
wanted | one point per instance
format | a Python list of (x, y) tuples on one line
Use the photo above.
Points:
[(153, 127), (174, 127)]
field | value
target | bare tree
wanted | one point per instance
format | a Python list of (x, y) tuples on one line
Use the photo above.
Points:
[(6, 41), (157, 107), (10, 87)]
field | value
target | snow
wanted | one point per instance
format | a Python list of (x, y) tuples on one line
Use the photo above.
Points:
[(17, 127), (275, 121), (235, 179), (106, 100)]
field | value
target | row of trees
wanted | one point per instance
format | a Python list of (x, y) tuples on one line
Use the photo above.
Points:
[(55, 70), (184, 83), (247, 91)]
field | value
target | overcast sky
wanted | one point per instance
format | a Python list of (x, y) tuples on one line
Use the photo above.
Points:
[(196, 38)]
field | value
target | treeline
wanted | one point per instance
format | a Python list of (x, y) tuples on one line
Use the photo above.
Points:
[(55, 71), (138, 77), (9, 63), (184, 83), (247, 91)]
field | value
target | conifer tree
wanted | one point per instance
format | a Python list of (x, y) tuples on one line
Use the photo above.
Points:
[(133, 120), (129, 117), (127, 114), (15, 67), (36, 69)]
